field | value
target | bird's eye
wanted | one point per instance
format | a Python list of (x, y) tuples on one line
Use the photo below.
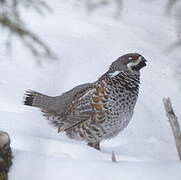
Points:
[(134, 58)]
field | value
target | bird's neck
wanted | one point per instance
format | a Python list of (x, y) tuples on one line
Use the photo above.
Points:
[(125, 79)]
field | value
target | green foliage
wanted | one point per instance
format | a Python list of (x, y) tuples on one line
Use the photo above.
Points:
[(11, 20)]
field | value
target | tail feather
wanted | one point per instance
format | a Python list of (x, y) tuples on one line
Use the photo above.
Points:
[(36, 99), (28, 98), (47, 104)]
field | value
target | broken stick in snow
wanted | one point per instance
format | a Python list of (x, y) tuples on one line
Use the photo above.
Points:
[(113, 157), (174, 123)]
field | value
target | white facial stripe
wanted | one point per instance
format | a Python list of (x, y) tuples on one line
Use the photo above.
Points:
[(140, 58), (134, 63), (115, 73)]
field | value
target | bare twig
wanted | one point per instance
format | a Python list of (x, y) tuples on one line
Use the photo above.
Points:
[(174, 124), (113, 157), (11, 20)]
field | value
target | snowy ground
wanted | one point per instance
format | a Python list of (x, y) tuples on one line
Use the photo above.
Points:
[(87, 44)]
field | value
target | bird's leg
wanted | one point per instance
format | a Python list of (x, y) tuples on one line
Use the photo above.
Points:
[(95, 145)]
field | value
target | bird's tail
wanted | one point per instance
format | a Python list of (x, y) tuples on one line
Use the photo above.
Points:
[(36, 99)]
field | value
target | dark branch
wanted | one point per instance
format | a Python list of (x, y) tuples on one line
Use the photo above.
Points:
[(11, 20)]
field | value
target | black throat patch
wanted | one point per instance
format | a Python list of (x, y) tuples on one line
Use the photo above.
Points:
[(138, 66)]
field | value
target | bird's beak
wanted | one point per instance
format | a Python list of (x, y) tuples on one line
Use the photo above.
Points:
[(142, 62)]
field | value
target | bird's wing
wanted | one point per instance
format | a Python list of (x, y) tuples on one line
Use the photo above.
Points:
[(88, 105), (71, 107), (59, 104), (79, 110)]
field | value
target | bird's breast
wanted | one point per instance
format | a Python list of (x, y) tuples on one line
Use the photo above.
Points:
[(114, 106)]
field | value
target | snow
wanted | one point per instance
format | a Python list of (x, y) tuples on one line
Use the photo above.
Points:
[(87, 44), (4, 138)]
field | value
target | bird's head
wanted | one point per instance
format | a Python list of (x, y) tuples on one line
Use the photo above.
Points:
[(132, 62)]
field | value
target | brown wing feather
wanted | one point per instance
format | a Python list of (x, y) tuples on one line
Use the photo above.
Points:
[(57, 108), (89, 105), (80, 110)]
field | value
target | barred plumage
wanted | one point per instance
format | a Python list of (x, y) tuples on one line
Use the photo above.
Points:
[(95, 111)]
